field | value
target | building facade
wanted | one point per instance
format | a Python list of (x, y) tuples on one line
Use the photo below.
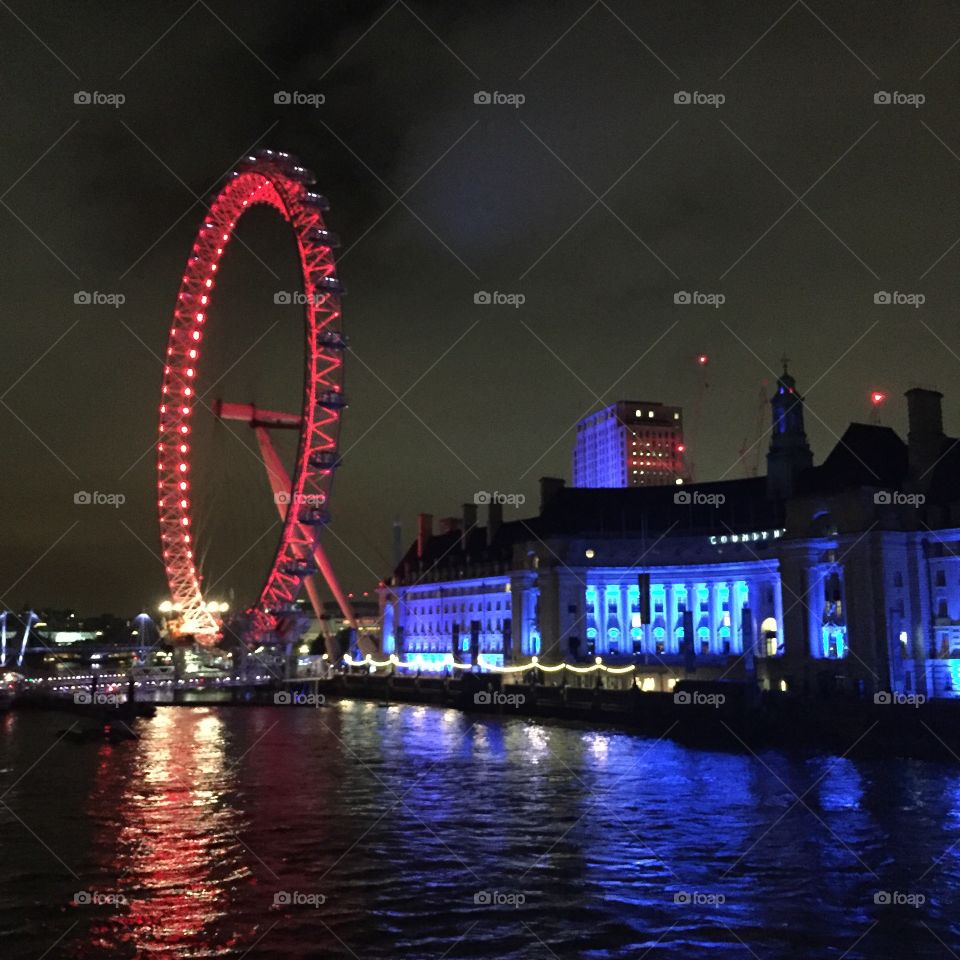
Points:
[(838, 577), (631, 443)]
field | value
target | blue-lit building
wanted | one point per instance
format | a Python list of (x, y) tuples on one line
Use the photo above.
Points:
[(844, 575)]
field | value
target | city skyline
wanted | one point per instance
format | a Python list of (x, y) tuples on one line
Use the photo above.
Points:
[(497, 190)]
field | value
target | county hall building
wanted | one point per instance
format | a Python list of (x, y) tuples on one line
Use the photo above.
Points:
[(841, 576)]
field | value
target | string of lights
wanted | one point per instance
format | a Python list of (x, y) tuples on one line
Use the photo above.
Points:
[(534, 664)]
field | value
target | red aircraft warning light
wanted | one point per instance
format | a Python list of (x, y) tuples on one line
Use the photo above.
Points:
[(702, 359), (877, 397)]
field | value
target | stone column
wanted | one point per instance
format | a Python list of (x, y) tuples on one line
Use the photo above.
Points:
[(716, 617), (399, 625), (570, 593), (549, 615), (601, 646), (670, 616), (626, 621), (813, 602), (755, 603), (778, 611), (519, 625)]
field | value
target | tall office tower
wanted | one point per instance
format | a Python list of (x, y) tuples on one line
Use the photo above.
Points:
[(631, 443)]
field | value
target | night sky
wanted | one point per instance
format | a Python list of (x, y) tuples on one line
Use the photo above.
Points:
[(597, 199)]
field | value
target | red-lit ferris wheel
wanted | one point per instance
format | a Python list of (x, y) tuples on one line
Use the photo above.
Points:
[(277, 180)]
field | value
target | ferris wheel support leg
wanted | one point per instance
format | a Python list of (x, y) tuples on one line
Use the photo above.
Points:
[(324, 564), (280, 483)]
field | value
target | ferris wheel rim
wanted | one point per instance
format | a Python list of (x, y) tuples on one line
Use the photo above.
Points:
[(278, 181)]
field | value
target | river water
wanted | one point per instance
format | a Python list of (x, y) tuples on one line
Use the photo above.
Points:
[(362, 831)]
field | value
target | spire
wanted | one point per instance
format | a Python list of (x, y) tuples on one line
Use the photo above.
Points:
[(789, 454), (785, 381)]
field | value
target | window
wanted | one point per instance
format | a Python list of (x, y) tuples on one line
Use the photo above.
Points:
[(941, 578)]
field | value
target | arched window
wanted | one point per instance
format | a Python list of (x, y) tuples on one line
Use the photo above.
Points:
[(770, 638)]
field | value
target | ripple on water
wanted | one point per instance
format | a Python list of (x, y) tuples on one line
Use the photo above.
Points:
[(421, 832)]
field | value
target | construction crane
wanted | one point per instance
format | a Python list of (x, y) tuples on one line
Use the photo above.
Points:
[(751, 449), (877, 399), (695, 420)]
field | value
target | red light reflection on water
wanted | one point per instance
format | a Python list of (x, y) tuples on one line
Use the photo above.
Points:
[(166, 830)]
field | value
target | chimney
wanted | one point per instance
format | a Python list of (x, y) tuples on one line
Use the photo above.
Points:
[(449, 524), (397, 544), (424, 532), (549, 488), (925, 440), (469, 522), (494, 519)]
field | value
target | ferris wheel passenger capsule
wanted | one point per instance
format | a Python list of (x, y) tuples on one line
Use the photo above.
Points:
[(332, 340), (324, 459), (316, 200), (332, 399), (325, 237), (313, 516), (302, 174), (329, 285), (301, 567)]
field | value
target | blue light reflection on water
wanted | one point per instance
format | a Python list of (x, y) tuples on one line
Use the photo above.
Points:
[(431, 833)]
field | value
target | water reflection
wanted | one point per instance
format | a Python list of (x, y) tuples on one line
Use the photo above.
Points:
[(430, 833), (166, 830)]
